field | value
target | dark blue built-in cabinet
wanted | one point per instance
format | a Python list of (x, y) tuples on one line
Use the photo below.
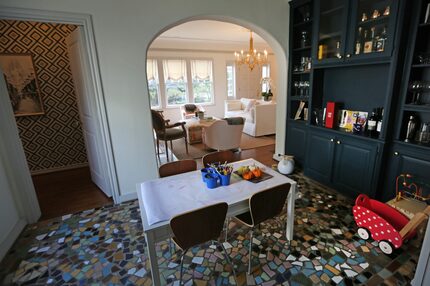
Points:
[(363, 55)]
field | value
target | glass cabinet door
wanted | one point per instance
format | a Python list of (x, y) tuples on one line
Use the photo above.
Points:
[(373, 26), (332, 26)]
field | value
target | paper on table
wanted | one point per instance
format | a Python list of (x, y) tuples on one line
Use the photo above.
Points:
[(166, 197)]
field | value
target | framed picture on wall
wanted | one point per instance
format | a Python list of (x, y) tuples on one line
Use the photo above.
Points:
[(21, 81)]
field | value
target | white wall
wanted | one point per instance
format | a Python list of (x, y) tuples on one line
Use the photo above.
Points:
[(247, 82), (123, 32)]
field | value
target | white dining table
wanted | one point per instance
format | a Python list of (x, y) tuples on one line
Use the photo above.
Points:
[(161, 199)]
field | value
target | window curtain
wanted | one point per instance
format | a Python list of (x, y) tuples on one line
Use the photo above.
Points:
[(151, 70), (201, 70), (174, 70)]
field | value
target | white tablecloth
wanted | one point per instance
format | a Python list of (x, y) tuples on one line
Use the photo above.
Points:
[(166, 197)]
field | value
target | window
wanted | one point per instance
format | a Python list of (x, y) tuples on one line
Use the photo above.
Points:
[(153, 83), (265, 76), (202, 81), (175, 79), (231, 82)]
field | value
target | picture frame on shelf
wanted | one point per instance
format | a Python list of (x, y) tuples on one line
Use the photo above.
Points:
[(22, 85)]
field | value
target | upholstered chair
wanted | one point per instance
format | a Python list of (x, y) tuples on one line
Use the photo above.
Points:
[(189, 110), (167, 132)]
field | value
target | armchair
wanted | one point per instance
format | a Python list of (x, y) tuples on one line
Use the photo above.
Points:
[(167, 132), (224, 134), (189, 110)]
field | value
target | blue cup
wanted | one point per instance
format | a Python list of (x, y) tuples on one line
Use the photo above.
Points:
[(225, 179), (211, 180), (204, 172)]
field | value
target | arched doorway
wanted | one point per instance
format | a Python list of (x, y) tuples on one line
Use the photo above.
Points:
[(276, 53)]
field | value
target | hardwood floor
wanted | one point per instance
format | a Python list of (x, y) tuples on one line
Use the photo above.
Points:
[(67, 192), (73, 191)]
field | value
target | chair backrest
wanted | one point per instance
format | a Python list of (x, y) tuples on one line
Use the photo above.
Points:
[(199, 226), (223, 136), (177, 167), (219, 156), (268, 203), (158, 122)]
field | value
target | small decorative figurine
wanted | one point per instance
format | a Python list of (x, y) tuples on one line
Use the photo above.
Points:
[(364, 17), (376, 14), (387, 11)]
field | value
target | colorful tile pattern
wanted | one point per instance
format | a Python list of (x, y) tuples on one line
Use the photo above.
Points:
[(106, 246)]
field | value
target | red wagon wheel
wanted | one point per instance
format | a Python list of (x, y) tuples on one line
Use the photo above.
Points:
[(363, 233)]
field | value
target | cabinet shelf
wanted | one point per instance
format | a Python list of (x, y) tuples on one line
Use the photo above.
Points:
[(302, 49), (416, 108), (303, 72), (421, 66), (301, 24), (414, 145), (375, 21), (332, 11), (300, 97), (424, 25), (343, 133), (330, 36), (300, 121)]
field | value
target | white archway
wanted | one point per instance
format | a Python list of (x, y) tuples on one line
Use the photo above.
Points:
[(282, 70)]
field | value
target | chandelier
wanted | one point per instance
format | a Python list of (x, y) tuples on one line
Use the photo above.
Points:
[(252, 58)]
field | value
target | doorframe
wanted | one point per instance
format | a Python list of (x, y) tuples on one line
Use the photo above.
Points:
[(99, 108)]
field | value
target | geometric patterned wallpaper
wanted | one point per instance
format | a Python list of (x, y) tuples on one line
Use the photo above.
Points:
[(55, 139)]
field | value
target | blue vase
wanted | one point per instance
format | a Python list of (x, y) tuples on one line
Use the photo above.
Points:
[(211, 180), (225, 179)]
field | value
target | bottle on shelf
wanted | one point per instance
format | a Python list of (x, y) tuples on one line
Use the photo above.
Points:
[(375, 40), (304, 40), (337, 54), (380, 43), (411, 128), (368, 44), (371, 124), (358, 44), (379, 123)]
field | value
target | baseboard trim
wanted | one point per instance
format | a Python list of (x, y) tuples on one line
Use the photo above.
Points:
[(59, 169), (6, 244), (277, 157), (128, 197)]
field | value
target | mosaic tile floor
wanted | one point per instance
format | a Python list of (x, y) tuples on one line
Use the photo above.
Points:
[(106, 246)]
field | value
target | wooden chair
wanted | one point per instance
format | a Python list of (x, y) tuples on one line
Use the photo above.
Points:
[(167, 132), (177, 167), (219, 156), (197, 227), (263, 205)]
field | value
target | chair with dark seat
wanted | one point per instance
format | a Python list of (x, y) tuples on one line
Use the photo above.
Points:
[(199, 226), (263, 205), (177, 167), (219, 156), (167, 132)]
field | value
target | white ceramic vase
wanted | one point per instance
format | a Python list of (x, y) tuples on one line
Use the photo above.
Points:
[(286, 165)]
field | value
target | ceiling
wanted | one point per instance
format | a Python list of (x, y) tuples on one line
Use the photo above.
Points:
[(207, 34)]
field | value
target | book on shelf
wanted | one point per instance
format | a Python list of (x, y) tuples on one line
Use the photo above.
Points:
[(299, 110)]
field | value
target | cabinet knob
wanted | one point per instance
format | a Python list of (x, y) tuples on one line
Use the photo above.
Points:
[(338, 142), (339, 56), (348, 55), (331, 140), (396, 153)]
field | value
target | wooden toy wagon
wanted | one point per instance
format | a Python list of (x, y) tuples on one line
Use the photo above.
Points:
[(385, 223)]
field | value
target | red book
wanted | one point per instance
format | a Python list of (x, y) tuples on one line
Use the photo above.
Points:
[(330, 114)]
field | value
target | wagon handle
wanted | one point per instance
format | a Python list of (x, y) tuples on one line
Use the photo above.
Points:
[(361, 200)]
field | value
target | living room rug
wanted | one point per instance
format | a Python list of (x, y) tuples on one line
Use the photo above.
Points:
[(198, 150)]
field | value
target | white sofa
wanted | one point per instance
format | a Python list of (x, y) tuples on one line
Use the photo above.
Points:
[(260, 116)]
